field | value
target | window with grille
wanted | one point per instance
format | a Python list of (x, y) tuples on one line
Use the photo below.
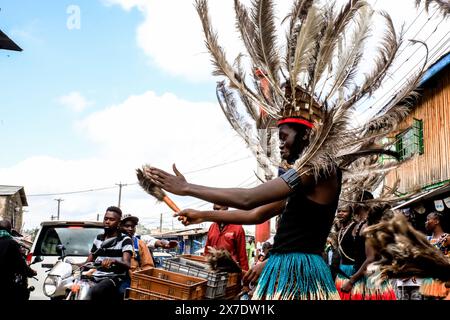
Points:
[(410, 141)]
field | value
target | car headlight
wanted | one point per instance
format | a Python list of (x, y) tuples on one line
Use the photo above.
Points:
[(50, 285)]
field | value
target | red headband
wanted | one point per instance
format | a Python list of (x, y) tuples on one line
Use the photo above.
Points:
[(296, 120)]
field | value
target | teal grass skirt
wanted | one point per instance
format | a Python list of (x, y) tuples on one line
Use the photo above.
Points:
[(296, 276)]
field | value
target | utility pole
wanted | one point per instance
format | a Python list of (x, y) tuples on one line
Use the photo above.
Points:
[(120, 184), (98, 216), (59, 206), (160, 223)]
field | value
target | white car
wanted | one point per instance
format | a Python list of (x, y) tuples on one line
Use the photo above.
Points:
[(77, 238)]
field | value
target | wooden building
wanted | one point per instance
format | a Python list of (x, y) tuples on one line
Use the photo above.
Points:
[(12, 201), (423, 141)]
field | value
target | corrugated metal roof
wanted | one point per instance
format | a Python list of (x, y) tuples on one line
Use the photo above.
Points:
[(426, 195), (183, 232), (437, 67), (11, 190)]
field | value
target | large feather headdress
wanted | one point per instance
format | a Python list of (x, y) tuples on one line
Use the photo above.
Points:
[(315, 73)]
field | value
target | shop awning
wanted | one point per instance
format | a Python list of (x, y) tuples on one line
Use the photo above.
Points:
[(426, 195)]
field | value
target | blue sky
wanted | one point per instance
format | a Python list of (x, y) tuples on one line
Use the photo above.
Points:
[(54, 148), (82, 108), (101, 59)]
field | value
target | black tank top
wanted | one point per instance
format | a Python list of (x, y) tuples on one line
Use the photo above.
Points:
[(360, 246), (305, 224)]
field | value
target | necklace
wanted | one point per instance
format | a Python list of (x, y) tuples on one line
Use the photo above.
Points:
[(341, 236)]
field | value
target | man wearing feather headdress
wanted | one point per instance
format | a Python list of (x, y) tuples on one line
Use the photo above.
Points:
[(300, 238), (312, 107)]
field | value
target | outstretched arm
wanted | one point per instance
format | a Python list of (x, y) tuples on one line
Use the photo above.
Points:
[(241, 198), (254, 216)]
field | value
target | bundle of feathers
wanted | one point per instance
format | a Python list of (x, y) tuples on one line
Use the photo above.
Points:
[(405, 252), (442, 5), (323, 54), (148, 184), (220, 260)]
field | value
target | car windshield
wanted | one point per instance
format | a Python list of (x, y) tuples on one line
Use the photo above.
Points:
[(77, 241)]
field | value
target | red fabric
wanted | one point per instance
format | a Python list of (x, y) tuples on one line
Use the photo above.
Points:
[(232, 238), (296, 120)]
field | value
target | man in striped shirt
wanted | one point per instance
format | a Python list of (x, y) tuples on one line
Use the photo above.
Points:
[(113, 251)]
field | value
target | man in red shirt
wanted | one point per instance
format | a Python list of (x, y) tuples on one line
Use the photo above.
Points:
[(230, 237)]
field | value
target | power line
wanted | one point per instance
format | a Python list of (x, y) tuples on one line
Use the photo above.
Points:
[(129, 184), (404, 61), (385, 97), (69, 192), (218, 165), (405, 78)]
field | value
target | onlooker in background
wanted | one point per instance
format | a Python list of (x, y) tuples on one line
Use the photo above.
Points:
[(12, 265), (360, 286), (266, 248), (431, 288), (250, 247), (230, 237), (141, 258)]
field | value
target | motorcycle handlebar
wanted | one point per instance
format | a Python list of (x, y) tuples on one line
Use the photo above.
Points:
[(91, 265)]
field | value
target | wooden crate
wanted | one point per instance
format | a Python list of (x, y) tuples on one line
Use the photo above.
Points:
[(232, 292), (234, 279), (134, 294), (217, 281), (195, 258), (171, 284)]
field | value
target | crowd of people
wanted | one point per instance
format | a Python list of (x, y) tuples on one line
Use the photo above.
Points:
[(321, 250)]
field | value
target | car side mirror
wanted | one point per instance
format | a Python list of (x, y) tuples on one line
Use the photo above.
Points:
[(37, 259)]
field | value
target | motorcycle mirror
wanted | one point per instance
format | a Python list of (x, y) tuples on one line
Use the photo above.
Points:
[(60, 249), (37, 259)]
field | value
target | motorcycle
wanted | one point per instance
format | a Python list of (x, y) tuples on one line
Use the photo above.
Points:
[(60, 278), (82, 284), (69, 281)]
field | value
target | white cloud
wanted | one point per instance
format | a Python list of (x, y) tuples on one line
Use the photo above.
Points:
[(144, 128), (74, 101), (147, 127), (172, 37)]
